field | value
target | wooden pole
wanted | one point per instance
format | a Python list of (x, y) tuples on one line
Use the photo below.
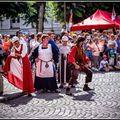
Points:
[(65, 15), (40, 17)]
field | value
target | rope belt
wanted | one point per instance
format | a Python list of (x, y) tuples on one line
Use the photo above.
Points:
[(47, 65)]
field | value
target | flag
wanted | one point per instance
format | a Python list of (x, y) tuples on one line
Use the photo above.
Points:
[(82, 22), (113, 14), (70, 19), (91, 17)]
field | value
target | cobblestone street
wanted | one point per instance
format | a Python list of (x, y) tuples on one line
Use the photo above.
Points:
[(102, 102)]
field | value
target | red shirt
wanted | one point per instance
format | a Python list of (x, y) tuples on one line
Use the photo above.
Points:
[(71, 56), (6, 45)]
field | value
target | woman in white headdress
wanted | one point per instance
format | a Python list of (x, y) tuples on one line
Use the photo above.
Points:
[(17, 68)]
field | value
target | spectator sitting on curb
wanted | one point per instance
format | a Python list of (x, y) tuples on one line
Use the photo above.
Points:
[(104, 65), (117, 66)]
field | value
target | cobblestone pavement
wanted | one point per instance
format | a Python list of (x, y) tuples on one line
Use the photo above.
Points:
[(103, 102)]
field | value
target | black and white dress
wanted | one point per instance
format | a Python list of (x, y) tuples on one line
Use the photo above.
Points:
[(45, 68)]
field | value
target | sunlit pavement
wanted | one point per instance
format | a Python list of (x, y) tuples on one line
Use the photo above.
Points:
[(102, 102)]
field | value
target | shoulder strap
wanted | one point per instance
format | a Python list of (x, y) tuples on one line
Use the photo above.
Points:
[(97, 47)]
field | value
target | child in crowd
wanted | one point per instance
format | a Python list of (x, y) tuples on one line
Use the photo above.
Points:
[(117, 66), (88, 50), (111, 52), (104, 65)]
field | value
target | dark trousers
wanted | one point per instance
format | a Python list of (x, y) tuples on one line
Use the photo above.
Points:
[(75, 73), (68, 72)]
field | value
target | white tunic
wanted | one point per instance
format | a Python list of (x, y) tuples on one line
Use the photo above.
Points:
[(33, 43), (45, 55), (64, 49)]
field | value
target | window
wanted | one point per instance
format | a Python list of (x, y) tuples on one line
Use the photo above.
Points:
[(13, 20), (18, 20), (56, 21)]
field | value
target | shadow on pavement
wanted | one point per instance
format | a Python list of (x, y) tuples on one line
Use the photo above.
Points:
[(85, 97), (103, 72), (21, 101), (52, 96), (11, 96), (48, 96)]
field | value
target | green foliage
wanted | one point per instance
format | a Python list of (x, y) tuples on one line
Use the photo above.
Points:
[(31, 14), (50, 12), (82, 10), (12, 9), (29, 11)]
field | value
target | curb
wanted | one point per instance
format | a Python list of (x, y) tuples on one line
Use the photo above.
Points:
[(10, 97)]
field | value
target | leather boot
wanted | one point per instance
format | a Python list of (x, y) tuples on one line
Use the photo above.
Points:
[(86, 88), (68, 91)]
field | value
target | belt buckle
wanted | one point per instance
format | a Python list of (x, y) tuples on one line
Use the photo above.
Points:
[(46, 65)]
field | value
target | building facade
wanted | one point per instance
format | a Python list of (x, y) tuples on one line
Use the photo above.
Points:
[(10, 26)]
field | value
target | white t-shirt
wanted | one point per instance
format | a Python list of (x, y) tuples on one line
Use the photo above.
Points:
[(103, 63), (118, 63), (112, 42), (88, 46)]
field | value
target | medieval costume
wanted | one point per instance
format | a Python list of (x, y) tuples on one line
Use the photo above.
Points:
[(17, 67), (78, 61), (1, 54), (45, 57), (64, 72)]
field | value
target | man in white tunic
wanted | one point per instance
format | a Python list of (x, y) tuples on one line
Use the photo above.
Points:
[(64, 73)]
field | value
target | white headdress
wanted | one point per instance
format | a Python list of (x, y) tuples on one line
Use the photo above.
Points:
[(65, 38), (14, 39)]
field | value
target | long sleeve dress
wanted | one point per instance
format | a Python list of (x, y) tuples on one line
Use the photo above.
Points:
[(45, 67), (19, 70)]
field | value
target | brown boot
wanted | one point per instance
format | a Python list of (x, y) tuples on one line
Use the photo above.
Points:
[(68, 91), (86, 88)]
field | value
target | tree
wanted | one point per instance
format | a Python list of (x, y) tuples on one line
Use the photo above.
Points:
[(34, 12), (41, 17), (8, 9), (31, 14), (35, 15), (50, 12), (29, 11), (82, 10)]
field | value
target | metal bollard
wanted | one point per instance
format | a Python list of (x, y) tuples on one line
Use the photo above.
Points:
[(1, 84)]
